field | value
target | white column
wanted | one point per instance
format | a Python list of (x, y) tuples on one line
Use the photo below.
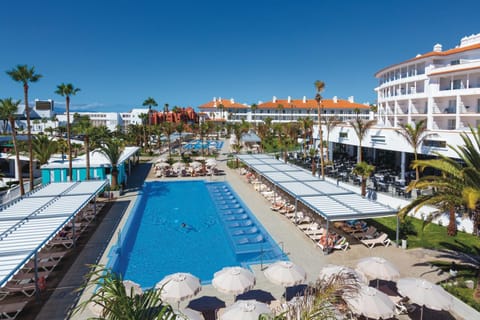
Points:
[(15, 169), (402, 165), (457, 112)]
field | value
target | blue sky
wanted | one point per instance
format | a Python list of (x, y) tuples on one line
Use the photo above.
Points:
[(186, 52)]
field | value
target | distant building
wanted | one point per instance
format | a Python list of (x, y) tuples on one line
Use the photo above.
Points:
[(185, 115), (100, 167), (283, 110)]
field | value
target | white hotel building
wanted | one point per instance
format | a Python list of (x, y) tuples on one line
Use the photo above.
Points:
[(441, 87)]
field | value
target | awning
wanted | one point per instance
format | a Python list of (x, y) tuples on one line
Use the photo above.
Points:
[(332, 202), (28, 223)]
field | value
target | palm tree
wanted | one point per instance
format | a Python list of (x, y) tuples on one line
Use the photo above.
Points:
[(415, 135), (254, 108), (320, 86), (180, 128), (448, 188), (221, 107), (9, 108), (67, 90), (145, 118), (457, 185), (43, 148), (168, 130), (112, 150), (150, 102), (116, 302), (361, 128), (312, 153), (331, 123), (4, 116), (322, 300), (364, 170), (83, 125), (279, 108), (26, 75), (306, 125)]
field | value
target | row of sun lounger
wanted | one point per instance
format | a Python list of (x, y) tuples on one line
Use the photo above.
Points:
[(26, 282), (368, 235)]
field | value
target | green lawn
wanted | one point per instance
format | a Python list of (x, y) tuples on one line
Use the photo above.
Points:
[(432, 237)]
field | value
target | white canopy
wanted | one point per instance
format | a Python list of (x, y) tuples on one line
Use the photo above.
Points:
[(28, 223), (332, 202)]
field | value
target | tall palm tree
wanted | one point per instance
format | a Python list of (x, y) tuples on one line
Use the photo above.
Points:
[(168, 130), (144, 117), (83, 125), (279, 109), (180, 128), (254, 108), (330, 124), (415, 135), (26, 75), (43, 148), (150, 102), (112, 150), (221, 107), (306, 126), (68, 90), (116, 302), (9, 107), (320, 86), (448, 186), (364, 170), (361, 128)]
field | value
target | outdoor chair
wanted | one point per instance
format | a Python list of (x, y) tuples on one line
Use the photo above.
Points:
[(11, 310), (28, 289), (382, 239), (368, 234)]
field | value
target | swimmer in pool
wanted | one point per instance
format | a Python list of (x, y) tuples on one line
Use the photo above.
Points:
[(187, 227)]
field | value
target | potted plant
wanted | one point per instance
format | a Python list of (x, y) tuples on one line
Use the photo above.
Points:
[(406, 228)]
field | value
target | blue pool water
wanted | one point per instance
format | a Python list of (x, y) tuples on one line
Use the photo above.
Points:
[(219, 231), (197, 144)]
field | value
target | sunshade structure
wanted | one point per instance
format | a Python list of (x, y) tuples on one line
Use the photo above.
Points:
[(425, 293), (329, 200), (371, 303), (179, 286), (378, 268), (29, 223), (331, 270), (286, 274), (233, 280), (245, 310)]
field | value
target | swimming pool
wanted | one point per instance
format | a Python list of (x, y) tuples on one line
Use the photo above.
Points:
[(219, 231), (197, 144)]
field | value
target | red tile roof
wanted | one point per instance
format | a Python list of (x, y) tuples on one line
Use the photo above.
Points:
[(434, 53), (294, 103)]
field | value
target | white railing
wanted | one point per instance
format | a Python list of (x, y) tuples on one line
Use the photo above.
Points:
[(14, 192)]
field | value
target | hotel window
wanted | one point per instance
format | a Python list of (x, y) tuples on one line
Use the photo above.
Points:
[(457, 84), (451, 124), (435, 143), (343, 135), (478, 105)]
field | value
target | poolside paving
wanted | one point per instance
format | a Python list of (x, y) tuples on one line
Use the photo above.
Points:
[(299, 248)]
